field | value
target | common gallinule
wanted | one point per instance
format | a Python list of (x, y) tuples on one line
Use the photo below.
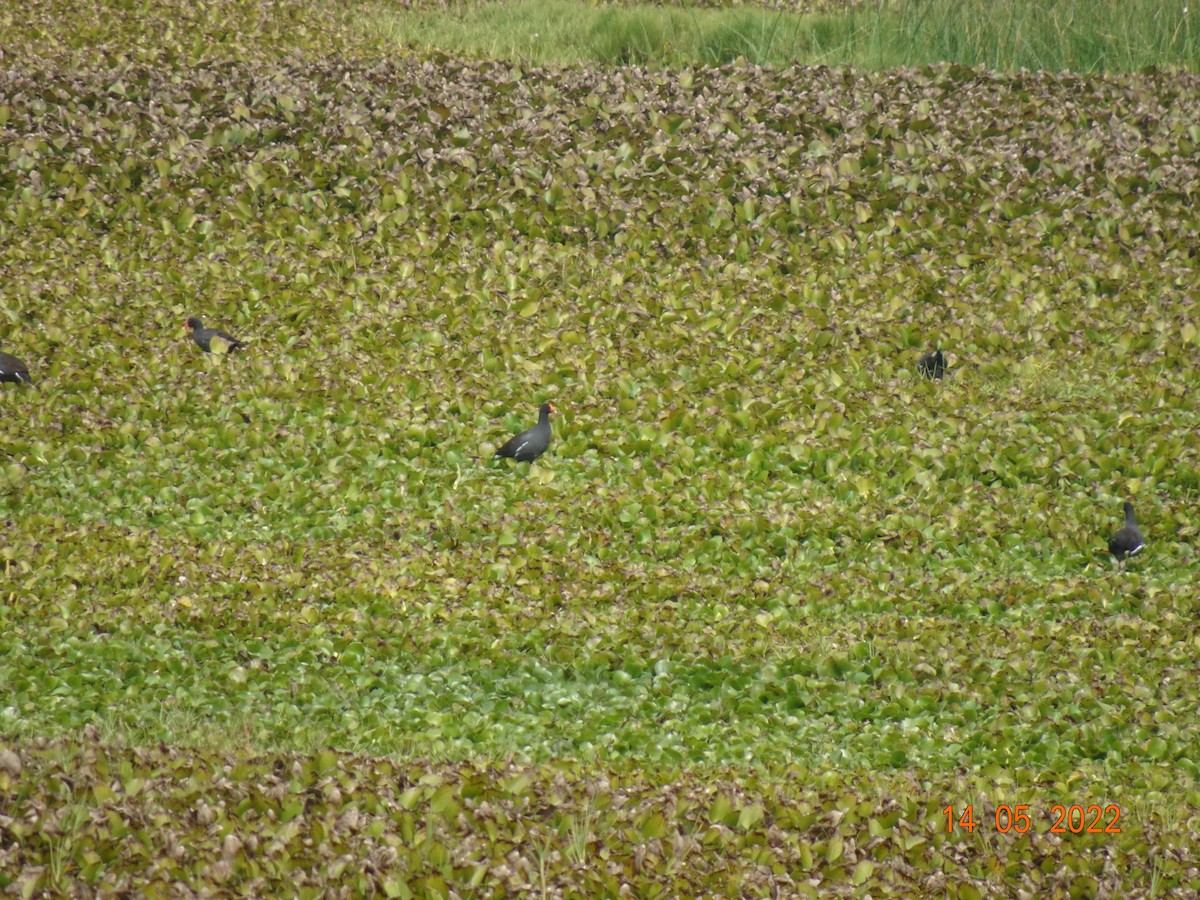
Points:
[(932, 365), (532, 442), (1128, 540), (212, 340), (13, 370)]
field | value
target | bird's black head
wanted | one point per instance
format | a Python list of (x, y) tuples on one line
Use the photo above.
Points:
[(193, 323), (546, 408)]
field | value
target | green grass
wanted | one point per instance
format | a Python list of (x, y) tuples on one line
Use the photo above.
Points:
[(1075, 35), (552, 31)]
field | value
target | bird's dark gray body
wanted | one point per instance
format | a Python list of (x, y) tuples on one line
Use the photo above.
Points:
[(532, 442), (932, 365), (1129, 540), (13, 370), (204, 337)]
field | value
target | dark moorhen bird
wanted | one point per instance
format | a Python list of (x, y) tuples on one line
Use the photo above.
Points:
[(532, 442), (932, 365), (212, 340), (13, 370), (1128, 540)]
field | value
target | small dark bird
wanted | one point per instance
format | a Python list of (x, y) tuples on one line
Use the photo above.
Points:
[(13, 370), (212, 340), (1128, 540), (932, 365), (532, 442)]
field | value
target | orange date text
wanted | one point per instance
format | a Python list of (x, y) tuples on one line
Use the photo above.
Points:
[(1073, 819)]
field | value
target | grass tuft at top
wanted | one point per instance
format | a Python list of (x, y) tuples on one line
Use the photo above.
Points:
[(1073, 35)]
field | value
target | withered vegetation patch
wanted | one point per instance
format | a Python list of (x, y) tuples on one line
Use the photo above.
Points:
[(84, 815)]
